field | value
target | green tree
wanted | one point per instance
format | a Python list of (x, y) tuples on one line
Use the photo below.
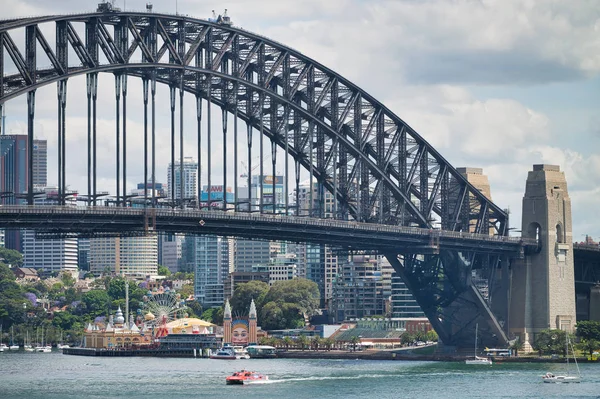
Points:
[(517, 346), (186, 291), (303, 341), (194, 308), (407, 338), (328, 343), (588, 346), (67, 279), (354, 340), (11, 257), (271, 317), (300, 291), (245, 293), (432, 336), (588, 330), (163, 271), (97, 302), (287, 342), (550, 341), (317, 342)]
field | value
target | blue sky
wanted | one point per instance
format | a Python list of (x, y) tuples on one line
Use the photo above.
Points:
[(501, 84)]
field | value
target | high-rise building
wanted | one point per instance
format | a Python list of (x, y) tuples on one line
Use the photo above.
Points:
[(49, 254), (130, 256), (210, 256), (170, 251), (189, 176), (83, 258), (14, 176)]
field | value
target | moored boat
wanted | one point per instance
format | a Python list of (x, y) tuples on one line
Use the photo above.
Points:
[(225, 353), (245, 377)]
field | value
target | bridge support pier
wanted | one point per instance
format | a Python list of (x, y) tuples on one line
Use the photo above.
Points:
[(543, 286)]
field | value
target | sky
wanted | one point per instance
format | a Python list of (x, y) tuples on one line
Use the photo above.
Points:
[(501, 85)]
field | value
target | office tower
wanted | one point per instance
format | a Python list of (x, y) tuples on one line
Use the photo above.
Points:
[(130, 256), (210, 259), (170, 251), (49, 254), (189, 176), (14, 176)]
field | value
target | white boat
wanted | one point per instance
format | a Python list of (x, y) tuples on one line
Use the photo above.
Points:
[(3, 347), (61, 345), (43, 348), (225, 353), (240, 352), (27, 345), (478, 359), (552, 378)]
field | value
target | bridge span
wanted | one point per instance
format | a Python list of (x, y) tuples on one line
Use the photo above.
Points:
[(57, 221)]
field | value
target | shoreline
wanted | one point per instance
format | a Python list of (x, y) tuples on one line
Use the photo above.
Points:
[(408, 355)]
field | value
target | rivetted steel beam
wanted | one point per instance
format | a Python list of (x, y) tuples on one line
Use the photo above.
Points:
[(118, 137), (145, 95), (224, 123), (153, 91), (30, 132), (62, 106), (181, 169), (124, 182), (94, 136), (172, 187)]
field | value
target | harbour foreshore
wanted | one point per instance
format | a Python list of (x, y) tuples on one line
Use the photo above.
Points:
[(312, 354)]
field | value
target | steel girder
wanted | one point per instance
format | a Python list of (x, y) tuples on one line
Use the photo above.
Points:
[(378, 167)]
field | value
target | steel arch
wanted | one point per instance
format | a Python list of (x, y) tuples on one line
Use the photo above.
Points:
[(380, 169)]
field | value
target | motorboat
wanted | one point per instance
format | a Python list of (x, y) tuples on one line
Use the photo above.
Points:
[(62, 346), (246, 377), (225, 353), (3, 347), (240, 352)]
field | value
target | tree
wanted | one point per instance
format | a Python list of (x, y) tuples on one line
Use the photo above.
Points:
[(550, 341), (97, 302), (432, 336), (195, 308), (517, 346), (11, 257), (328, 343), (300, 291), (354, 340), (588, 345), (67, 279), (163, 271), (317, 342), (302, 341), (588, 330), (245, 293), (271, 317), (287, 342)]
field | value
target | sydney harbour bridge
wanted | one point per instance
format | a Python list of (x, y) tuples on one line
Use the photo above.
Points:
[(382, 187)]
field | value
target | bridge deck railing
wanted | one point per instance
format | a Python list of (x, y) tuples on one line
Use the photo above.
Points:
[(221, 215)]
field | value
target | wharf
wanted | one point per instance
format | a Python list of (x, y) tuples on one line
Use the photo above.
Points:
[(190, 353)]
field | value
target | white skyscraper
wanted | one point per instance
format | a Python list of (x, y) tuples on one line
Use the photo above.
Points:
[(131, 256), (49, 255), (190, 179)]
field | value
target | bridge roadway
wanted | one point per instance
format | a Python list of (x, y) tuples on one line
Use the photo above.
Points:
[(98, 221)]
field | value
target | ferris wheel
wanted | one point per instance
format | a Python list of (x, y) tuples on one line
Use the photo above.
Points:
[(162, 307)]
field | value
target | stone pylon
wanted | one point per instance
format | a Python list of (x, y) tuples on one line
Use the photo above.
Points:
[(543, 283)]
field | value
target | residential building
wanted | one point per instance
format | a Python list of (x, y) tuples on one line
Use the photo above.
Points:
[(211, 259), (281, 268)]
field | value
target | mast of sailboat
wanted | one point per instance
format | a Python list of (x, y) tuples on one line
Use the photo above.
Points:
[(476, 329)]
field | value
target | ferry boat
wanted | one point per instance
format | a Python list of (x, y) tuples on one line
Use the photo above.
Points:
[(245, 377), (225, 353), (240, 352)]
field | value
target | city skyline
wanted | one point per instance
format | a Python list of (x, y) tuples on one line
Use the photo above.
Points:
[(493, 94)]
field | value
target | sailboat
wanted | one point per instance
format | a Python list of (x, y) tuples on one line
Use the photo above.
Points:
[(12, 346), (27, 344), (2, 345), (43, 348), (478, 359), (566, 378), (61, 345)]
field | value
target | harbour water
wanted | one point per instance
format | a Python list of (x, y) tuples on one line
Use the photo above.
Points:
[(49, 376)]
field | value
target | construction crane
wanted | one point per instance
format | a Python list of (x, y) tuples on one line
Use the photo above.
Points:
[(245, 166)]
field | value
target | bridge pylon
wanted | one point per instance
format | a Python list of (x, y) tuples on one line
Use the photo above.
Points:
[(543, 283)]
